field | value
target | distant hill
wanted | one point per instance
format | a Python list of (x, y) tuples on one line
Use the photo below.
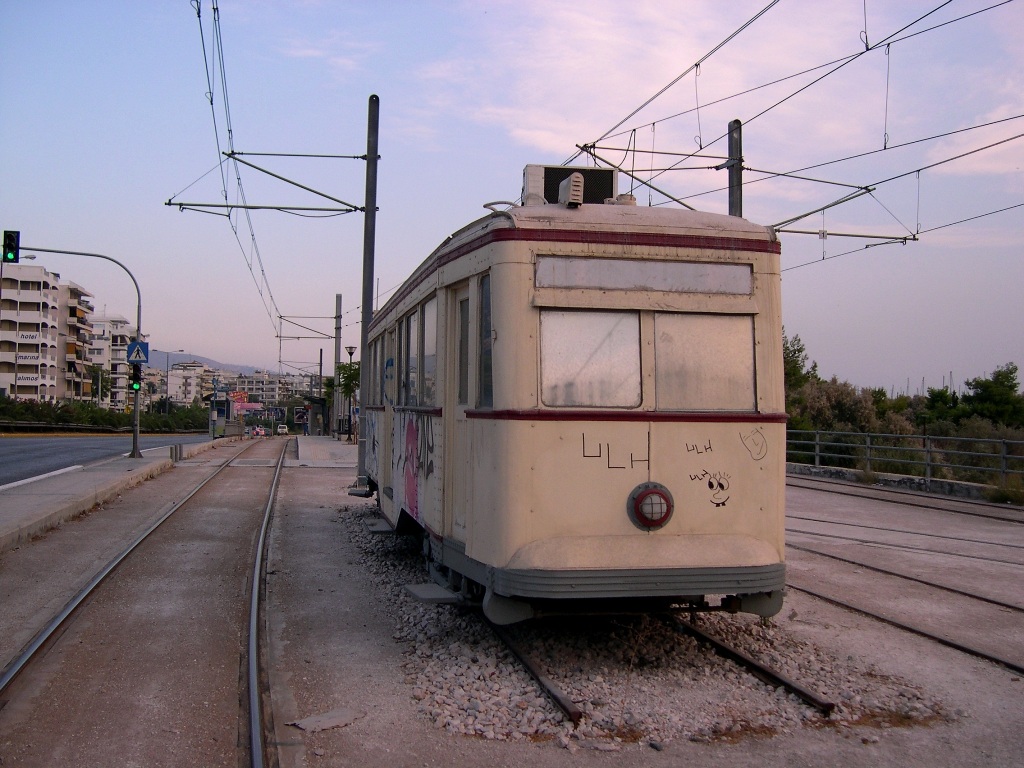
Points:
[(159, 359)]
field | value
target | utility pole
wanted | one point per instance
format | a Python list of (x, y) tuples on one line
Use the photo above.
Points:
[(369, 241), (736, 168), (336, 403)]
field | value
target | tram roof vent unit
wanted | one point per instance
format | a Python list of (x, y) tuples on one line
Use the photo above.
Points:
[(541, 183), (570, 191)]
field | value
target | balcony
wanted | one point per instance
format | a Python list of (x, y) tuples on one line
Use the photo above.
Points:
[(30, 316)]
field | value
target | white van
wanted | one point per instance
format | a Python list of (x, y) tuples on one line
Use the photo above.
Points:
[(282, 429)]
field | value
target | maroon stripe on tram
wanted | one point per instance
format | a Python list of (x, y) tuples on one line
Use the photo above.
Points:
[(661, 416)]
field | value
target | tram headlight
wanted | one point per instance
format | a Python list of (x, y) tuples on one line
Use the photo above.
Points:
[(650, 506)]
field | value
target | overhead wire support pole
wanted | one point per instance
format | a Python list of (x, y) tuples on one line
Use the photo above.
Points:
[(369, 242), (735, 166), (336, 401), (136, 453)]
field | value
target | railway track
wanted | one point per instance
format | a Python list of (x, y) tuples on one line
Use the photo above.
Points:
[(131, 611), (762, 672), (942, 639), (910, 498), (945, 576)]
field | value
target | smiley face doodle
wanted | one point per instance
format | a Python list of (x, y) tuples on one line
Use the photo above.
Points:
[(718, 484)]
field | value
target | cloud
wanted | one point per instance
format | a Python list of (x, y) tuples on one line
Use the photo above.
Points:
[(337, 50)]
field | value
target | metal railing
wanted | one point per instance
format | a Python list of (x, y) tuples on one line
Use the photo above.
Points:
[(962, 459)]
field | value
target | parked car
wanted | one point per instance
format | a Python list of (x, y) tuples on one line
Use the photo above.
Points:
[(282, 429), (259, 432)]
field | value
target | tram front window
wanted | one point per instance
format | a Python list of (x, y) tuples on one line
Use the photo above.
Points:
[(704, 362), (590, 359)]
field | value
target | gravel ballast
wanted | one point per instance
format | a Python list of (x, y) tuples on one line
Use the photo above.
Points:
[(637, 680)]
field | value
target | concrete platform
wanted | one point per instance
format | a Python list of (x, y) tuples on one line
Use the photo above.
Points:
[(317, 451)]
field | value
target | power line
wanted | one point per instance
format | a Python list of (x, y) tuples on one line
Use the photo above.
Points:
[(871, 187), (771, 175), (691, 68), (253, 257), (832, 71), (834, 65)]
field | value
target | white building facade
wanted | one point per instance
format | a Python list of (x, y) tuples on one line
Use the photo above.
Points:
[(29, 327), (108, 346)]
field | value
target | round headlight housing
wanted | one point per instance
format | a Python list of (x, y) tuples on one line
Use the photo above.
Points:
[(650, 506)]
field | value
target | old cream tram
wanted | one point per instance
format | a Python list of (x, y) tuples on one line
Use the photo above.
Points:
[(579, 406)]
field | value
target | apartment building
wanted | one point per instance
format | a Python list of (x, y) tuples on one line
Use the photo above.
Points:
[(108, 350), (188, 383), (74, 330), (29, 327)]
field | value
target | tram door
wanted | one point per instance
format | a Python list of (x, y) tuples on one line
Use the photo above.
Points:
[(457, 402), (387, 416)]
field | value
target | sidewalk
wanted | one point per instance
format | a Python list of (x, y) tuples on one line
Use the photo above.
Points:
[(30, 508)]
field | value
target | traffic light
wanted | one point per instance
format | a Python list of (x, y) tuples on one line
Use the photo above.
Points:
[(136, 377), (12, 240)]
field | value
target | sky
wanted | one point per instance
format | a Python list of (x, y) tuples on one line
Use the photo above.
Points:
[(105, 115)]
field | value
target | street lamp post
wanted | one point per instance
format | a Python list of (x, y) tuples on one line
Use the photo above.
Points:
[(350, 350), (136, 453)]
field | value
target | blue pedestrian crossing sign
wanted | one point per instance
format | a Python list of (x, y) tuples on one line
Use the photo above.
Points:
[(138, 352)]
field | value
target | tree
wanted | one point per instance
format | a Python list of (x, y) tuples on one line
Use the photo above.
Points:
[(794, 364), (348, 378), (835, 405), (348, 381), (100, 382), (996, 398)]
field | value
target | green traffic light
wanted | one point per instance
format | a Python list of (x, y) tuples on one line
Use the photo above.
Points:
[(12, 245)]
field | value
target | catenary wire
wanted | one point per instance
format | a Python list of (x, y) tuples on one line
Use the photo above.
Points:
[(689, 69)]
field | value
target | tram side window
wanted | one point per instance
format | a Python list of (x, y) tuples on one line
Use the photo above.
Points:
[(428, 394), (376, 380), (704, 362), (485, 396), (409, 342), (463, 352), (590, 359), (390, 368)]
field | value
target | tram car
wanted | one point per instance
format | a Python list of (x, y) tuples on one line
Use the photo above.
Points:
[(577, 403)]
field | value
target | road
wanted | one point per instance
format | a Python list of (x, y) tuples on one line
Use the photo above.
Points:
[(24, 457)]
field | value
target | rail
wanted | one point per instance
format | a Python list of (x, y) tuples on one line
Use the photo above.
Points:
[(962, 459)]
